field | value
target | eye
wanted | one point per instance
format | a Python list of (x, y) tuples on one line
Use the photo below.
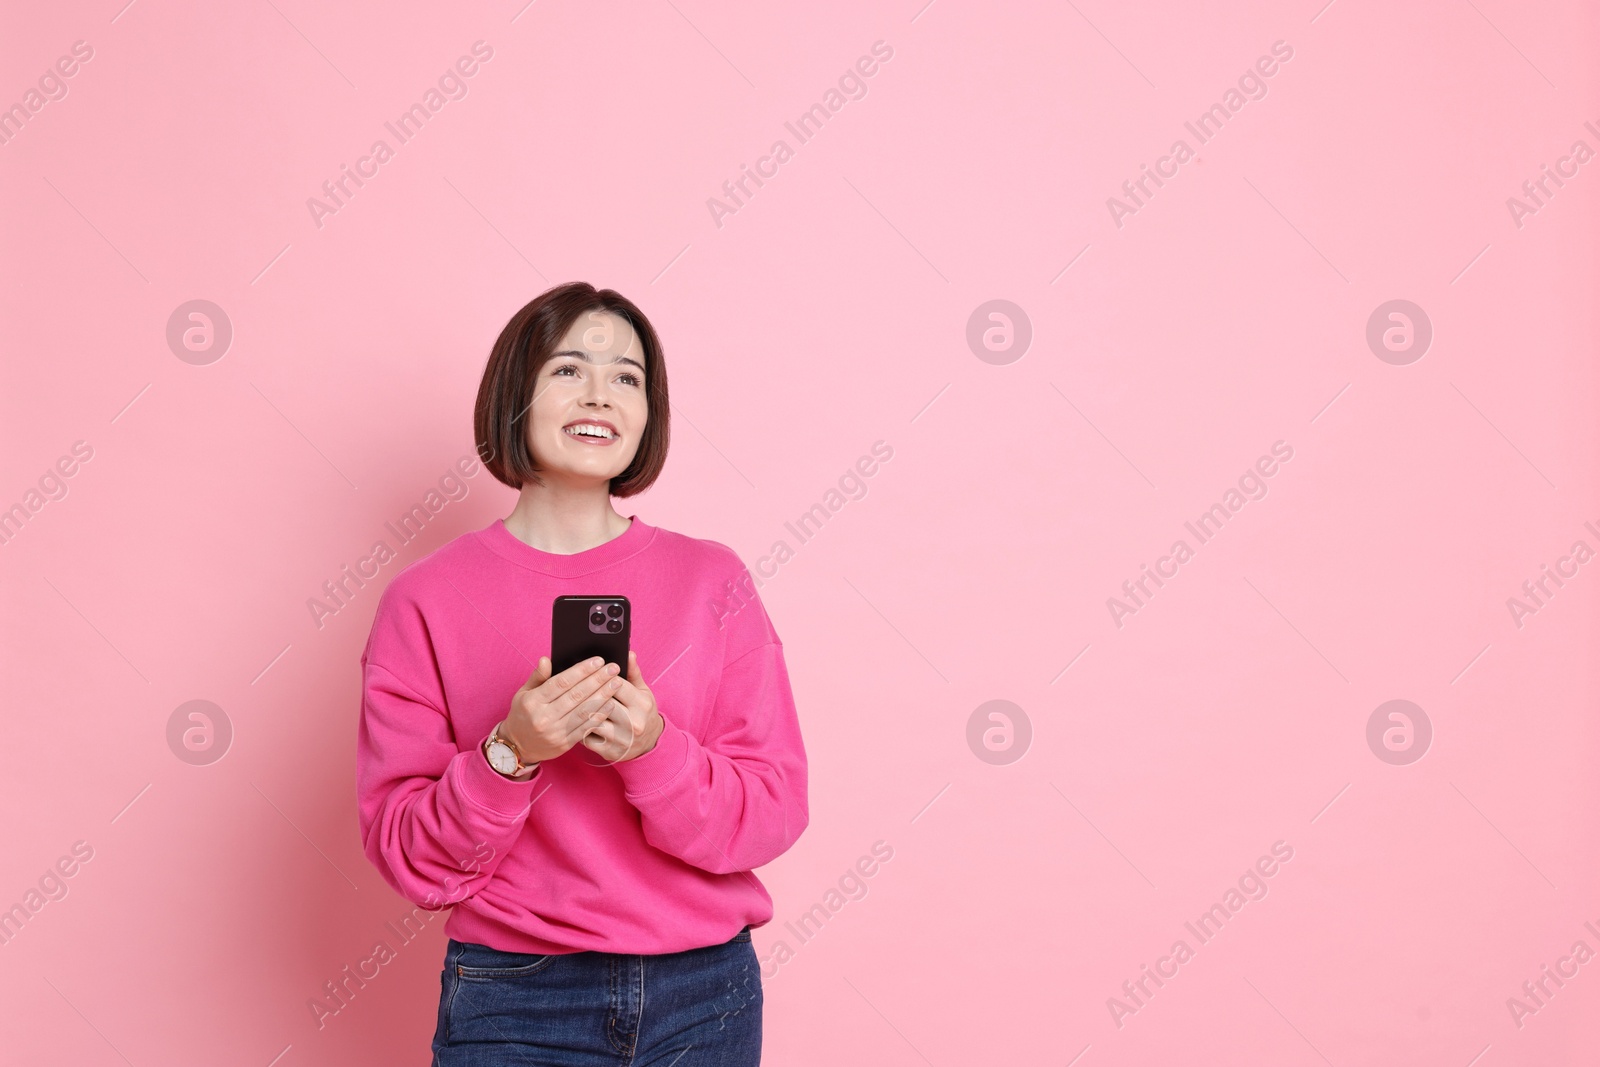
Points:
[(629, 376)]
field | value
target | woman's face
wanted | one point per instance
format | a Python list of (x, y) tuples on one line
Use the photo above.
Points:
[(595, 376)]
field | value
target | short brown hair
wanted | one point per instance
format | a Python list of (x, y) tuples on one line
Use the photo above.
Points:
[(506, 392)]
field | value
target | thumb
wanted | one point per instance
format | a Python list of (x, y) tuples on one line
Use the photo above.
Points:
[(540, 675), (635, 676)]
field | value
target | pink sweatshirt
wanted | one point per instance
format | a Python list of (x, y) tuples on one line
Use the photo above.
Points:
[(649, 855)]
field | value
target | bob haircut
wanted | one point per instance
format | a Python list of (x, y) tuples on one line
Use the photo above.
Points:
[(524, 346)]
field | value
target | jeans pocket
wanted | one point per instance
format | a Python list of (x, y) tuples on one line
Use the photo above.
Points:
[(481, 961)]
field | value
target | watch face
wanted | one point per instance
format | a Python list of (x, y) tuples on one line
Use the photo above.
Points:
[(501, 758)]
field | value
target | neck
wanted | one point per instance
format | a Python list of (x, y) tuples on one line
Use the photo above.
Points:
[(563, 520)]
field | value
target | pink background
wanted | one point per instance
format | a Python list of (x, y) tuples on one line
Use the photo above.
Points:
[(829, 313)]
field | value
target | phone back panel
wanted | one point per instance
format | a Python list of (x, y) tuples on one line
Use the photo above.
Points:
[(581, 626)]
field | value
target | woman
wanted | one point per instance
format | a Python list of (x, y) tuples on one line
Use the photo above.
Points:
[(601, 877)]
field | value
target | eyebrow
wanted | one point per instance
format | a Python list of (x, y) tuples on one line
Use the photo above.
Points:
[(588, 359)]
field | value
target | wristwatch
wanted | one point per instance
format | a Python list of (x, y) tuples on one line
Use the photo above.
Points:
[(504, 758)]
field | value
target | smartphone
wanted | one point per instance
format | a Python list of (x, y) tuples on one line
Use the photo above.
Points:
[(586, 626)]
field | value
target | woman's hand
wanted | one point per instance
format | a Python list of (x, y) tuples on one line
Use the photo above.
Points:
[(633, 725), (551, 714)]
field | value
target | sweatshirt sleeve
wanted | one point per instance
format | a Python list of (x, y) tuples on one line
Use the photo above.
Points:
[(736, 800), (436, 820)]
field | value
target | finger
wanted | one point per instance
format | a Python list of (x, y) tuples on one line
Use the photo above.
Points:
[(596, 741), (540, 675), (619, 715), (597, 690), (573, 675), (579, 724), (608, 748), (624, 730), (591, 707), (581, 719), (597, 685), (616, 728), (596, 706), (631, 693)]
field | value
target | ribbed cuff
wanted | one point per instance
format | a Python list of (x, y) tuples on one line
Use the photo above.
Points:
[(488, 788), (658, 767)]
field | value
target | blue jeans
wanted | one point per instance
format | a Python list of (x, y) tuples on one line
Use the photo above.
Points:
[(698, 1008)]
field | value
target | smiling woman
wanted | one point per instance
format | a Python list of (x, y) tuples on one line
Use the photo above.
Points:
[(655, 800), (604, 369)]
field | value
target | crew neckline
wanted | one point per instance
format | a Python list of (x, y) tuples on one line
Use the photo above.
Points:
[(628, 543)]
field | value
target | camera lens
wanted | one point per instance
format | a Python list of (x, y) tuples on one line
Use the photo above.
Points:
[(597, 618), (613, 626), (615, 611)]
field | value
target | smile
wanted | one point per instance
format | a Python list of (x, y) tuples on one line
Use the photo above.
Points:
[(591, 433)]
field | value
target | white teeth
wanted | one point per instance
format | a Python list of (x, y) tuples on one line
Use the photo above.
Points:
[(590, 430)]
